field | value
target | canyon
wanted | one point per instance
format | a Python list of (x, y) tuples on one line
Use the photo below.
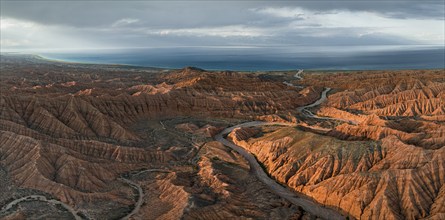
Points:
[(90, 141), (381, 153)]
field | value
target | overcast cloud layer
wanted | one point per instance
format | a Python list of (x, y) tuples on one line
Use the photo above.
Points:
[(61, 25)]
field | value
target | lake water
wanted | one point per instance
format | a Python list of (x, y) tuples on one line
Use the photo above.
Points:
[(268, 58)]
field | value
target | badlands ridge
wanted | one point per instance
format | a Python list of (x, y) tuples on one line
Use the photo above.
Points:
[(85, 141)]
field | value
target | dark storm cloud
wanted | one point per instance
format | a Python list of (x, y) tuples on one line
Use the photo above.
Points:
[(174, 14), (170, 14), (79, 24)]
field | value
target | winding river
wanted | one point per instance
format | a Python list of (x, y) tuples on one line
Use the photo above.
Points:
[(140, 200), (43, 199), (284, 192), (73, 212)]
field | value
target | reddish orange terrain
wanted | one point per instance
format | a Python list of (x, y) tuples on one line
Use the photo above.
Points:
[(388, 162), (86, 141)]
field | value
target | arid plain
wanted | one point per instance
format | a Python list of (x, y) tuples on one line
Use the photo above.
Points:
[(87, 141)]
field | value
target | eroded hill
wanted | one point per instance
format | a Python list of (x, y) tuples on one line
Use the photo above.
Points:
[(377, 150), (115, 141), (127, 142)]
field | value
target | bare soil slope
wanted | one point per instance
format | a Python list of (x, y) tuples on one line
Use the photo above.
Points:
[(387, 163)]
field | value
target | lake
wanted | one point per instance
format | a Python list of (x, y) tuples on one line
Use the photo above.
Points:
[(267, 58)]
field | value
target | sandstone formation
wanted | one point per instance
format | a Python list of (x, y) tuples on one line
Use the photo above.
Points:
[(386, 179), (72, 132), (386, 163), (101, 138)]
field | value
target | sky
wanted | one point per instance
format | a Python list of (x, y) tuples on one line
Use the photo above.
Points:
[(90, 25)]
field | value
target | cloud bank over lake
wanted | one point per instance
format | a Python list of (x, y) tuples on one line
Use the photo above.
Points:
[(71, 25)]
